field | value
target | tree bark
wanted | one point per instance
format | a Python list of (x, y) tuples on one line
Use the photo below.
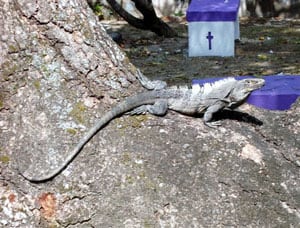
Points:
[(267, 7), (58, 70)]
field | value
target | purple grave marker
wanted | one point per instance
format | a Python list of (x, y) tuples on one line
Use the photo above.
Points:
[(212, 27)]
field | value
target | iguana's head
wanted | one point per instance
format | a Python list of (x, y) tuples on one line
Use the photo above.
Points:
[(243, 88)]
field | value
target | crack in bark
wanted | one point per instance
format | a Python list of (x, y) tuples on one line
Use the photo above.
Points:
[(80, 222), (247, 190), (289, 160), (268, 139)]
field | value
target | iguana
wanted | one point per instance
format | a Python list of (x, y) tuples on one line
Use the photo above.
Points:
[(206, 99)]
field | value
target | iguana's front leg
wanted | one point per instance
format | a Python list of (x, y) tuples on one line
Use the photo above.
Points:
[(150, 85), (208, 114), (159, 108)]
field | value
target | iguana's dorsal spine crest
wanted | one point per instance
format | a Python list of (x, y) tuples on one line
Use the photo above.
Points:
[(218, 85)]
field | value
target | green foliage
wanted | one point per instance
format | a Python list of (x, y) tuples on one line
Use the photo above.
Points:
[(179, 14), (98, 10)]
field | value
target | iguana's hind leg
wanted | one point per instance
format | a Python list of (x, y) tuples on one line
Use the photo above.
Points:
[(159, 108), (148, 84), (208, 115)]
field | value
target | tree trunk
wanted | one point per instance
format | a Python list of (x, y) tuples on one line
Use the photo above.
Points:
[(267, 7), (149, 22), (60, 72)]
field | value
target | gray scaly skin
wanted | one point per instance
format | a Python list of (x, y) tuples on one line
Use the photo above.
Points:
[(207, 100)]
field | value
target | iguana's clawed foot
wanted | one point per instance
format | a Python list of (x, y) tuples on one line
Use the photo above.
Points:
[(214, 124), (159, 108), (138, 111)]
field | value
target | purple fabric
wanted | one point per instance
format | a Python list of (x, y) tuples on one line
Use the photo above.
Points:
[(212, 10), (278, 93)]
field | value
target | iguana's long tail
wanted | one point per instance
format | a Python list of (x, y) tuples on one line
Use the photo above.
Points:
[(123, 107)]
